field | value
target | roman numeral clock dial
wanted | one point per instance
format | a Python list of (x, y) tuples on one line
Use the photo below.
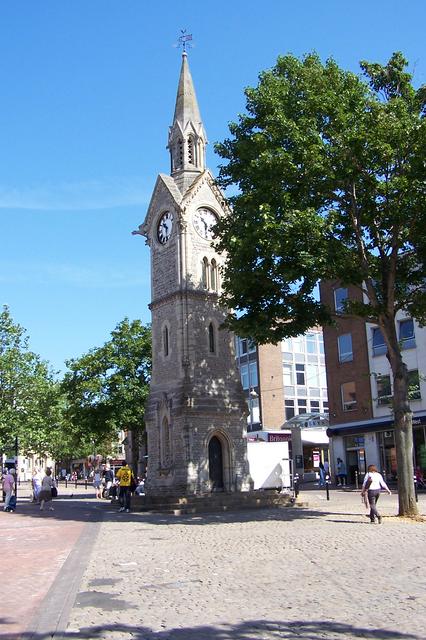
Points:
[(204, 221), (165, 227)]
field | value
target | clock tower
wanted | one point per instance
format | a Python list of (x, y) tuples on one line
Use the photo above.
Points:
[(196, 412)]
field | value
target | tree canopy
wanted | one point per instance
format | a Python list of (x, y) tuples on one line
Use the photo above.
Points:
[(330, 173), (29, 394), (106, 388)]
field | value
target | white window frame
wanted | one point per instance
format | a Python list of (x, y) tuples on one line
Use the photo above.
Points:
[(338, 305), (344, 354), (349, 405)]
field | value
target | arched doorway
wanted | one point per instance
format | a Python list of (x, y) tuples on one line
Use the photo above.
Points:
[(215, 464)]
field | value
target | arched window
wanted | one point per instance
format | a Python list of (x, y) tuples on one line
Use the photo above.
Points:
[(166, 340), (212, 345), (179, 153), (213, 275), (204, 273), (191, 150)]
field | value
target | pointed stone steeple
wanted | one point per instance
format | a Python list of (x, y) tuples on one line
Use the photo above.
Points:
[(187, 138)]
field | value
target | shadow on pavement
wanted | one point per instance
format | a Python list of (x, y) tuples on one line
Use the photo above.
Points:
[(80, 508), (249, 630)]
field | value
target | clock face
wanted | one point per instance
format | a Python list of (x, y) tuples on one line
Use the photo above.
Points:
[(204, 221), (165, 226)]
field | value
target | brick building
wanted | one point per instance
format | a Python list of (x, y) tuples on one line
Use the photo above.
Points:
[(359, 383)]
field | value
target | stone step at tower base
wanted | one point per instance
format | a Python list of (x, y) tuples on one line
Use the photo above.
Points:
[(214, 502)]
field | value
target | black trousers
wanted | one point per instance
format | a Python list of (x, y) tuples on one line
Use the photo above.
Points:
[(373, 496), (125, 496)]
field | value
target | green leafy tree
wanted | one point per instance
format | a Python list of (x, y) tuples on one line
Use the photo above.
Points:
[(330, 175), (106, 388), (29, 395)]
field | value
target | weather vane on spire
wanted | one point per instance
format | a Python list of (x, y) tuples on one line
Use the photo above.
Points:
[(184, 40)]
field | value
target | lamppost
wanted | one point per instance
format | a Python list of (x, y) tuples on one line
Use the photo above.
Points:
[(252, 397)]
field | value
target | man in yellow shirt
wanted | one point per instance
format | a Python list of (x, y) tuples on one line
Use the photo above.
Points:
[(126, 479)]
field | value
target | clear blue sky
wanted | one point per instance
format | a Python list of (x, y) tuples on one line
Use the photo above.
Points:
[(87, 95)]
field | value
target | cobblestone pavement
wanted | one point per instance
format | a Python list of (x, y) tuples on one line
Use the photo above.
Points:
[(318, 571)]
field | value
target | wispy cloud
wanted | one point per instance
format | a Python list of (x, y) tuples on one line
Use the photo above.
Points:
[(72, 275), (76, 196)]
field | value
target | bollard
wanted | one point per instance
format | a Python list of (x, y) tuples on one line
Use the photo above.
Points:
[(296, 485), (356, 480), (415, 489), (76, 483), (85, 483), (66, 483), (327, 486)]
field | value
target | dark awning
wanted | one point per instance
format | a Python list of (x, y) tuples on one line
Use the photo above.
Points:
[(353, 428)]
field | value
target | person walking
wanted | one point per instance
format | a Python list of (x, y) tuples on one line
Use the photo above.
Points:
[(47, 484), (108, 479), (321, 475), (372, 485), (97, 482), (126, 479), (341, 473), (8, 484), (36, 482)]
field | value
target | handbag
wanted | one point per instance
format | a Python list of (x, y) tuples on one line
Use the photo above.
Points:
[(54, 492), (367, 485)]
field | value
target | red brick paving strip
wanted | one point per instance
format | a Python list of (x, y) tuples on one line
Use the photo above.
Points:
[(33, 550)]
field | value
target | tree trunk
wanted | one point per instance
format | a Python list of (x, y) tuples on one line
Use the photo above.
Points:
[(403, 433)]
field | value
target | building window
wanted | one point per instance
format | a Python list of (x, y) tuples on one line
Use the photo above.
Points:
[(204, 272), (315, 406), (191, 150), (244, 376), (300, 374), (286, 345), (340, 298), (313, 378), (302, 406), (287, 375), (348, 390), (311, 343), (251, 345), (379, 345), (179, 154), (289, 409), (166, 341), (299, 344), (243, 346), (253, 378), (213, 275), (414, 385), (253, 419), (384, 390), (212, 346), (406, 334), (344, 343)]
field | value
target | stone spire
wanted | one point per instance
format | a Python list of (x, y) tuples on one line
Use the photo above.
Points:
[(187, 138)]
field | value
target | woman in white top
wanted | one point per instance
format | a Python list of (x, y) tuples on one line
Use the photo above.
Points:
[(372, 485)]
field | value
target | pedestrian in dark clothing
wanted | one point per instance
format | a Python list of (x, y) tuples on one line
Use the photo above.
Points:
[(321, 475), (126, 479)]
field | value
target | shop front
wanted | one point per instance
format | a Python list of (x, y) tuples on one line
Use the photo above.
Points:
[(373, 442), (355, 457)]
